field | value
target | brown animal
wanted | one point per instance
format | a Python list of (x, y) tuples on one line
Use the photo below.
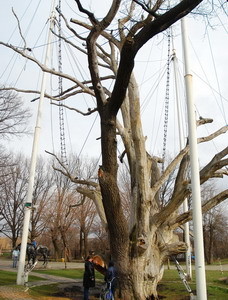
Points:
[(99, 264)]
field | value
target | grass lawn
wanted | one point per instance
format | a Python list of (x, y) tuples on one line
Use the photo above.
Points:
[(171, 286), (10, 278), (68, 273), (49, 290), (220, 262)]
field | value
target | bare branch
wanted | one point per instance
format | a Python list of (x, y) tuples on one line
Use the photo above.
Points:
[(124, 20), (132, 44), (181, 176), (87, 12), (203, 121), (104, 56), (75, 205), (220, 173), (105, 34), (19, 27), (213, 135), (187, 216), (215, 164), (182, 188), (59, 97), (162, 22), (19, 90), (46, 69), (214, 201), (90, 111), (169, 169), (69, 27), (95, 195), (67, 173), (70, 43), (145, 7), (173, 249)]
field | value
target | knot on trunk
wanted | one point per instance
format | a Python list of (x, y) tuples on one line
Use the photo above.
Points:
[(100, 172), (142, 244)]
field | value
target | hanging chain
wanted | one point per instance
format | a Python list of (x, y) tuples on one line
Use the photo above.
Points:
[(61, 109), (166, 102)]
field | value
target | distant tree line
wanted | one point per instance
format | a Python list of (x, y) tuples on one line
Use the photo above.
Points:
[(61, 218)]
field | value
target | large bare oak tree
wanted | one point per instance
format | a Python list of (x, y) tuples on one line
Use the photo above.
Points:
[(141, 244)]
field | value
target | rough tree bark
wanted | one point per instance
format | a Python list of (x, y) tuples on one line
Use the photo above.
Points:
[(139, 247), (139, 250), (139, 253)]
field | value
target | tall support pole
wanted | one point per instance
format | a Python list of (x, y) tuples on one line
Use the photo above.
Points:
[(201, 289), (28, 204), (182, 144)]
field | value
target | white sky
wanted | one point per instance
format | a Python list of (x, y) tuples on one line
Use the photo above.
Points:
[(208, 51)]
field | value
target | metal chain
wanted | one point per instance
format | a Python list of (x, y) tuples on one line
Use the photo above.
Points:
[(166, 101), (61, 109)]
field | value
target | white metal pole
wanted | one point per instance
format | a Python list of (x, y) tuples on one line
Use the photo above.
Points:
[(201, 289), (28, 204), (181, 139)]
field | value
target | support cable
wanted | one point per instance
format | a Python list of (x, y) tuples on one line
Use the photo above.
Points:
[(183, 276), (60, 104), (166, 101)]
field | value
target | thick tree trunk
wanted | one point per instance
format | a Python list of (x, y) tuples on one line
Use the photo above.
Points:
[(85, 241), (138, 249), (67, 252), (146, 263), (146, 274), (211, 239), (56, 247), (81, 252), (14, 241)]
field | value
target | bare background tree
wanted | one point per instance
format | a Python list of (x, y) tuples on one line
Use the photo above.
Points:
[(215, 225), (13, 122), (43, 192), (13, 193), (13, 115)]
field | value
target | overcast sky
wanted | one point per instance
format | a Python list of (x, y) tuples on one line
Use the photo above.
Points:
[(208, 51)]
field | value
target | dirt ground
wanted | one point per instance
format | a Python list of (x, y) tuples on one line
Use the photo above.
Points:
[(67, 292)]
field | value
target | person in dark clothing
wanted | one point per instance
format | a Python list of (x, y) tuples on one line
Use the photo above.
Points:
[(111, 277), (34, 243), (89, 277)]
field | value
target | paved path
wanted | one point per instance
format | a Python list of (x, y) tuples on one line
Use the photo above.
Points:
[(7, 265), (21, 293), (49, 279)]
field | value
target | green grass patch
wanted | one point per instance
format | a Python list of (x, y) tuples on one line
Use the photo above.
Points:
[(217, 292), (6, 256), (9, 278), (67, 273), (172, 287), (49, 290), (216, 262), (220, 262)]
